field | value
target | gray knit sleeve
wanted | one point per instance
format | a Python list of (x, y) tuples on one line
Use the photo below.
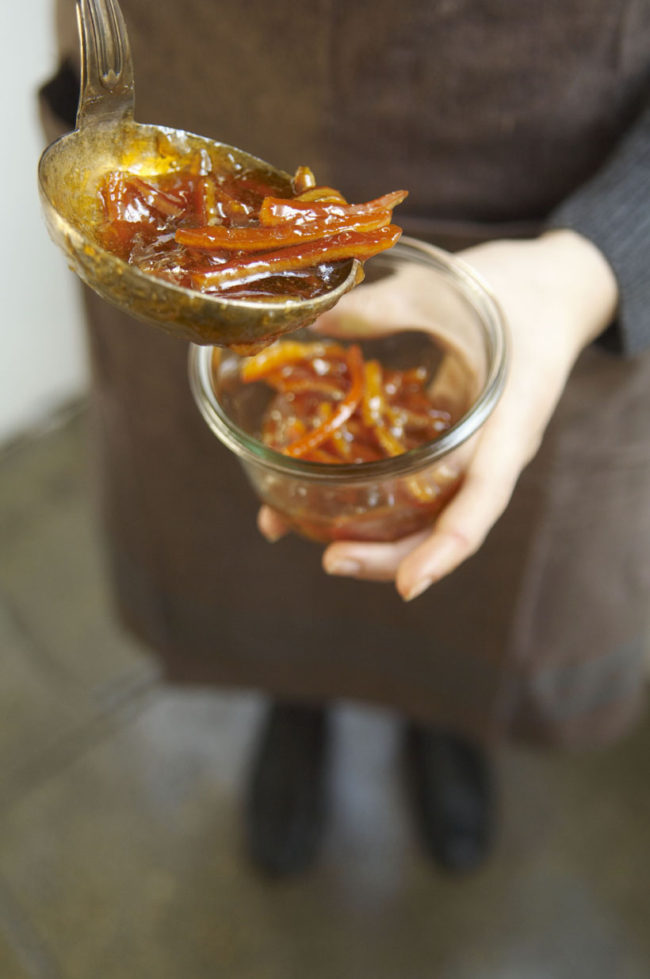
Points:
[(613, 210)]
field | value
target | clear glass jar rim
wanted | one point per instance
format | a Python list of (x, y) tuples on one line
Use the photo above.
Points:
[(474, 289)]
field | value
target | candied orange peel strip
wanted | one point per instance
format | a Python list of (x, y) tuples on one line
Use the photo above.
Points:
[(314, 439), (163, 201), (287, 352), (215, 203), (342, 450), (322, 195), (348, 244), (342, 446), (303, 180), (391, 445), (304, 385), (377, 428), (322, 455), (229, 231), (423, 491), (207, 204), (277, 210), (373, 404), (263, 239)]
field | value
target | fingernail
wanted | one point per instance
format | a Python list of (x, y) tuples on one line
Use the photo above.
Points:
[(417, 589), (273, 536), (343, 566)]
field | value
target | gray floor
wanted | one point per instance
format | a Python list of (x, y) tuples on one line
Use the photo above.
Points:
[(120, 851)]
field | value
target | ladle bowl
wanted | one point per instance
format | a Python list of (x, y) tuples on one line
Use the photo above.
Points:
[(107, 138)]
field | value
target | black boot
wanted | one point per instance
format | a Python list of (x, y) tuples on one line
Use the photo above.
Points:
[(451, 788), (286, 805)]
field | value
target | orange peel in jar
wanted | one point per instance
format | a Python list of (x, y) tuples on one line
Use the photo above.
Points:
[(348, 409)]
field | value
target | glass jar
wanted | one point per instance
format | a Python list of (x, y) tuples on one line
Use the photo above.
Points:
[(458, 335)]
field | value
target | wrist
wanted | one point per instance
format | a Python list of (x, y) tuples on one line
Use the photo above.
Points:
[(586, 280)]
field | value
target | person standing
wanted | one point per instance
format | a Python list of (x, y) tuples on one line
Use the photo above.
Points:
[(522, 132)]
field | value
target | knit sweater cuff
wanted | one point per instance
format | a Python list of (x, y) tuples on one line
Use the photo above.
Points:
[(613, 210)]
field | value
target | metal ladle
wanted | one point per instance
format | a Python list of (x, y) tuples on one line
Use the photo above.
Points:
[(107, 138)]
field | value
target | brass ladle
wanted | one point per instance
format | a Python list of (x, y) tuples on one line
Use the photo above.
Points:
[(107, 138)]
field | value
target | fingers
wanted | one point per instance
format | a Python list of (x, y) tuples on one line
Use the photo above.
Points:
[(466, 521), (418, 561), (373, 309), (270, 524), (354, 315), (460, 531), (506, 444), (371, 562)]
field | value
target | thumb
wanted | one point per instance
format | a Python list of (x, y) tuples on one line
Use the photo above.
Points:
[(465, 522)]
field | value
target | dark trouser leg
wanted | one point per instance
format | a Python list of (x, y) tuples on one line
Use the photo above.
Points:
[(286, 803), (451, 788)]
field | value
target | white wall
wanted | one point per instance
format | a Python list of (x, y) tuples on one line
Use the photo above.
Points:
[(42, 361)]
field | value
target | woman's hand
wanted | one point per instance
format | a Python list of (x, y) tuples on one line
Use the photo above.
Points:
[(558, 293)]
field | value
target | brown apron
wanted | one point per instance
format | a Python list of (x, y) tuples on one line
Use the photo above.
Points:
[(490, 112)]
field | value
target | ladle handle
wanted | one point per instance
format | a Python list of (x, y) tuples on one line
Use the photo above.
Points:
[(107, 87)]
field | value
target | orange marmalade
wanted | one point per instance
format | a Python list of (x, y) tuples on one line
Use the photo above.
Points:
[(238, 234)]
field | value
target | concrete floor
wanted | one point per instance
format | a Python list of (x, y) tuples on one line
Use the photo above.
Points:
[(120, 851)]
